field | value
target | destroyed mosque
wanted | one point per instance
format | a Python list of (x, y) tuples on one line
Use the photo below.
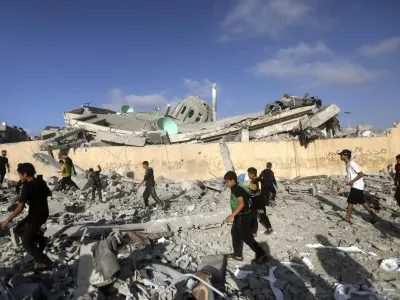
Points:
[(193, 120)]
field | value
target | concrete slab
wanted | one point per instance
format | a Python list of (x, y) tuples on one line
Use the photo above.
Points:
[(226, 157), (113, 137), (85, 270), (214, 265), (55, 207)]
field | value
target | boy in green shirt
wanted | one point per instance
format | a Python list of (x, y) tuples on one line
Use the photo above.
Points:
[(243, 219)]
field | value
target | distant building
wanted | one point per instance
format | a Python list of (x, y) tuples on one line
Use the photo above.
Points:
[(13, 134), (49, 132)]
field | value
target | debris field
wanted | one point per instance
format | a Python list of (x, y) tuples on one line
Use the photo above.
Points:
[(117, 249)]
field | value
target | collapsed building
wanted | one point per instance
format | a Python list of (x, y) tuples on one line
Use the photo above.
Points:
[(193, 120), (12, 134)]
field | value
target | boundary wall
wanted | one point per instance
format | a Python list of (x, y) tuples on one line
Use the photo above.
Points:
[(204, 161)]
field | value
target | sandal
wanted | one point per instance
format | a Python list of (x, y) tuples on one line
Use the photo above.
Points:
[(235, 257), (268, 231)]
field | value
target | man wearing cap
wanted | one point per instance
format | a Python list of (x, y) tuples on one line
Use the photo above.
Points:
[(355, 180)]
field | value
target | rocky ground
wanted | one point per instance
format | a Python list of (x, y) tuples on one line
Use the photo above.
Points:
[(313, 253)]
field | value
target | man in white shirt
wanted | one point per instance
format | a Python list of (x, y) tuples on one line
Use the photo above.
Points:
[(355, 180)]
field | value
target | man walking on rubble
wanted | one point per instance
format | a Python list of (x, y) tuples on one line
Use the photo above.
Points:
[(243, 220), (268, 182), (3, 164), (34, 193), (397, 179), (150, 186), (355, 180), (258, 203)]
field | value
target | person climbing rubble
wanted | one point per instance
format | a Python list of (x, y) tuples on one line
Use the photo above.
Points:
[(150, 186), (34, 193), (66, 174), (69, 162), (258, 203), (3, 166), (95, 176), (268, 183), (397, 179), (243, 220), (356, 182)]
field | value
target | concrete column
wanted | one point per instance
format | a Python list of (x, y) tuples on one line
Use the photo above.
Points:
[(245, 135), (214, 102)]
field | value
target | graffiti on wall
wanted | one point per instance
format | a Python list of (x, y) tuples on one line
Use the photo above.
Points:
[(371, 159), (118, 164)]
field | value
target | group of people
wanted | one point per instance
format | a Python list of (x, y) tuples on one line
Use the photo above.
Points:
[(35, 192), (248, 203)]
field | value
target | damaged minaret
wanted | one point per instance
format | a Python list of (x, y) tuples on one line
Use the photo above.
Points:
[(214, 102)]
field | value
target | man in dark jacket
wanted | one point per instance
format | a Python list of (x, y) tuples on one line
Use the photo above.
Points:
[(150, 186), (34, 192), (268, 183), (397, 179), (3, 166)]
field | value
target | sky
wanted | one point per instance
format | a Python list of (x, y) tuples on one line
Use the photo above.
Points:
[(58, 55)]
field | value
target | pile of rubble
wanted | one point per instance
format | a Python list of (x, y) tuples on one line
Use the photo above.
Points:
[(117, 249)]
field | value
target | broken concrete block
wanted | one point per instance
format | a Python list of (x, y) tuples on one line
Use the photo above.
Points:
[(55, 207), (122, 171), (297, 189), (84, 184), (186, 185), (214, 265), (127, 139), (324, 115), (158, 137), (156, 226), (105, 257), (85, 270)]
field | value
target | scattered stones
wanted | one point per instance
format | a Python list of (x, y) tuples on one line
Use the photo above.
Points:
[(192, 229)]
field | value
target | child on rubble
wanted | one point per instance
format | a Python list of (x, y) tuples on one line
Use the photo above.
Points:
[(66, 176), (258, 203), (397, 179), (95, 176), (355, 180), (34, 192), (242, 220), (268, 183)]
